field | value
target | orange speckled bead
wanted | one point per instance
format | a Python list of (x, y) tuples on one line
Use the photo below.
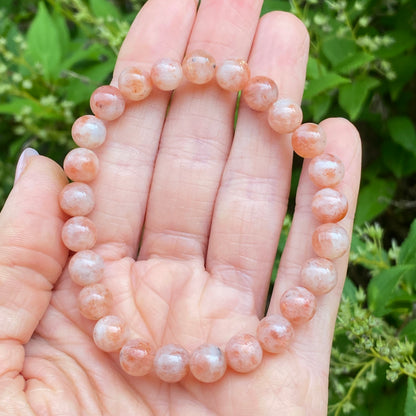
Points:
[(76, 198), (284, 116), (233, 74), (330, 241), (81, 165), (79, 233), (110, 333), (171, 363), (136, 357), (107, 102), (134, 83), (89, 132), (274, 333), (298, 305), (95, 301), (199, 67), (207, 363), (309, 140), (260, 93), (329, 205), (243, 353), (326, 170), (318, 275), (86, 268), (166, 74)]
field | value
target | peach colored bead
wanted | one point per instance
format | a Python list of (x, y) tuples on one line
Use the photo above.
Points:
[(95, 301), (309, 140), (171, 363), (107, 102), (284, 116), (110, 333), (274, 333), (243, 353), (298, 305), (79, 233), (329, 205), (260, 93), (166, 74), (207, 363), (77, 198), (318, 275), (326, 170), (86, 268), (330, 241), (89, 132), (135, 83), (199, 67), (136, 357), (81, 165), (233, 74)]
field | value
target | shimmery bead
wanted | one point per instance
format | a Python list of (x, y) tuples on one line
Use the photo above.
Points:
[(107, 102), (79, 233), (94, 301), (110, 333), (260, 93), (171, 363), (309, 140), (86, 268), (166, 74), (329, 205), (136, 357), (76, 198), (243, 353), (330, 241), (326, 170), (318, 275), (284, 116), (233, 74), (298, 305), (207, 363), (274, 333), (199, 67), (81, 165), (89, 132), (135, 83)]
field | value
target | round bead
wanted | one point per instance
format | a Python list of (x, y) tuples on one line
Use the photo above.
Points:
[(95, 301), (79, 233), (89, 132), (243, 353), (260, 93), (309, 140), (107, 102), (135, 83), (86, 268), (166, 74), (329, 205), (110, 333), (318, 275), (77, 198), (326, 170), (233, 74), (207, 363), (298, 305), (81, 165), (274, 333), (136, 357), (330, 241), (171, 363), (199, 67), (285, 116)]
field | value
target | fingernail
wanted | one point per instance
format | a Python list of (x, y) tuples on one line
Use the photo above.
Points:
[(24, 158)]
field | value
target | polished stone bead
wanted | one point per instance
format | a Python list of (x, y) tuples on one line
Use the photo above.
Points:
[(171, 363), (135, 83), (199, 67), (318, 275), (309, 140), (166, 74), (326, 170), (330, 241), (207, 363), (243, 353), (260, 93), (110, 333), (79, 233), (86, 268), (76, 199), (95, 301), (107, 102), (329, 205), (89, 132), (284, 116), (81, 165), (136, 357), (298, 305), (233, 74), (274, 333)]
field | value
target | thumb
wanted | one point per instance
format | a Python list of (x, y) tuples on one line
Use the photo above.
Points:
[(31, 254)]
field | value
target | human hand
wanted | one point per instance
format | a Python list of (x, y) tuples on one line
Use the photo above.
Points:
[(211, 203)]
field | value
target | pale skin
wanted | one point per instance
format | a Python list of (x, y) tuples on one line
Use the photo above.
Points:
[(210, 201)]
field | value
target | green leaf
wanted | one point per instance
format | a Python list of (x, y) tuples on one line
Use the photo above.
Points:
[(338, 50), (373, 199), (398, 160), (323, 83), (349, 291), (104, 8), (314, 69), (320, 106), (15, 105), (381, 289), (407, 254), (352, 63), (353, 96), (43, 43), (410, 404), (403, 41), (62, 30), (403, 133), (409, 331), (270, 5)]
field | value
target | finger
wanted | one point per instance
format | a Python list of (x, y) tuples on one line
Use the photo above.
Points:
[(252, 199), (31, 257), (196, 138), (344, 142), (126, 159)]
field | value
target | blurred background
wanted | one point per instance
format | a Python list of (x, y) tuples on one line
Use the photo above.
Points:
[(362, 66)]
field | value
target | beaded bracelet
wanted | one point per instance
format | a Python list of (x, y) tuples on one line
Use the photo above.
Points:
[(243, 352)]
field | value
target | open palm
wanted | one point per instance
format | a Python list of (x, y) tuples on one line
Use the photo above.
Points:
[(205, 204)]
